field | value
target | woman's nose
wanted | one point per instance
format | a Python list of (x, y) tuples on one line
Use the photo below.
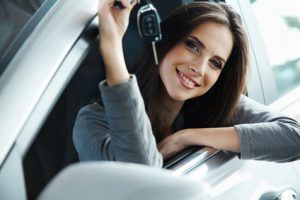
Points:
[(198, 71)]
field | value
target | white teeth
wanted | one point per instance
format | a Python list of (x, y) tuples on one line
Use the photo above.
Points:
[(187, 80)]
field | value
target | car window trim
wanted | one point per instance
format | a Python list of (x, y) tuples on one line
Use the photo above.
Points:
[(60, 80), (24, 33)]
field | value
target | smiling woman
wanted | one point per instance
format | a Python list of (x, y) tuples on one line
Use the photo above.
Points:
[(194, 96), (200, 62)]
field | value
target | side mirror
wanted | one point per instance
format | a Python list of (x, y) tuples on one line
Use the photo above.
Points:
[(116, 181)]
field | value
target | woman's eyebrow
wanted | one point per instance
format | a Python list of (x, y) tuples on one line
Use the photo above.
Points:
[(203, 46), (220, 58), (198, 41)]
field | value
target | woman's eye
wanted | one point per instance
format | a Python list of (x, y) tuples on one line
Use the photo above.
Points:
[(192, 46), (216, 64)]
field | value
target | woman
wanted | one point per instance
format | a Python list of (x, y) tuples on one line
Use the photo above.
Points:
[(194, 96)]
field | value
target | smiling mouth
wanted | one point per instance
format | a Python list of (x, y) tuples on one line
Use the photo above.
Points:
[(186, 81)]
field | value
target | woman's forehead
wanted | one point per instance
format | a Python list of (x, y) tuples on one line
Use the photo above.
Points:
[(217, 38)]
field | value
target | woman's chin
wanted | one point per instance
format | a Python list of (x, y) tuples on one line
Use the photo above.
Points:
[(178, 97)]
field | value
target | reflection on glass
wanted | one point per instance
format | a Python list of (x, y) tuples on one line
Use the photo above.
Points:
[(279, 22), (14, 14)]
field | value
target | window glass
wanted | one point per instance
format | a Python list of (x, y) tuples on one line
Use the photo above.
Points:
[(14, 15), (279, 23)]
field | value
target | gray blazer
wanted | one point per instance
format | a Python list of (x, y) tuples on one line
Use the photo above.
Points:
[(122, 131)]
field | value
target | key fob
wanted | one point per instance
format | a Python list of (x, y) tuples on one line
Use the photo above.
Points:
[(149, 23)]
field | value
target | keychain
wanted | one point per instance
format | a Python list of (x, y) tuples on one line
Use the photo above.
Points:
[(148, 23), (149, 26)]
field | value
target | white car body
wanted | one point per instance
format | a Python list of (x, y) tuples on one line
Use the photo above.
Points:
[(41, 69)]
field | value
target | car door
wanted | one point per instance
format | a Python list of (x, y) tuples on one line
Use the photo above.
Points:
[(55, 69), (36, 64)]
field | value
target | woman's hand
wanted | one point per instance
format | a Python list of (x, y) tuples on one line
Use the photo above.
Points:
[(172, 145), (225, 138), (113, 22)]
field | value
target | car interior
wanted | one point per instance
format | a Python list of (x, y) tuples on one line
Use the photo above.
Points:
[(53, 149)]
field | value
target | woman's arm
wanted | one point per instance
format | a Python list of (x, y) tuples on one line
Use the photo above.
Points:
[(265, 134), (257, 133), (220, 138), (121, 130), (113, 23)]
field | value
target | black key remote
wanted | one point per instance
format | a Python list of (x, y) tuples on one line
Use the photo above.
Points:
[(149, 26)]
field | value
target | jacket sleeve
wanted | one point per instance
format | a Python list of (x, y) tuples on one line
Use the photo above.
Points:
[(120, 131), (265, 134)]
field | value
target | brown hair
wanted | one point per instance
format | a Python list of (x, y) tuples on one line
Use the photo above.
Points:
[(219, 103)]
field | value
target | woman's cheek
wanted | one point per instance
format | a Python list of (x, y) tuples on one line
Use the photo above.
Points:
[(209, 81)]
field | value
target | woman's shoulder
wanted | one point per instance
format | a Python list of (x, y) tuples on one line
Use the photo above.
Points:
[(247, 103), (251, 111)]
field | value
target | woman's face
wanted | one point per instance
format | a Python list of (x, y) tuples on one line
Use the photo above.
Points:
[(193, 66)]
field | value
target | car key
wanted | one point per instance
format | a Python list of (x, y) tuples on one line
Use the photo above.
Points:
[(149, 26)]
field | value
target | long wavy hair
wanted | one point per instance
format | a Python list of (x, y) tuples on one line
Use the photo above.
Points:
[(215, 108)]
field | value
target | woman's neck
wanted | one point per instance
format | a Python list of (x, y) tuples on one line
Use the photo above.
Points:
[(170, 109)]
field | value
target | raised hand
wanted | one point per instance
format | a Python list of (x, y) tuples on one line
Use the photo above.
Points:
[(113, 21)]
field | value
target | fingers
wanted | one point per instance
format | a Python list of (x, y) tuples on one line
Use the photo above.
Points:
[(134, 2), (125, 3), (164, 148), (122, 5), (104, 6), (129, 4), (161, 144), (102, 3)]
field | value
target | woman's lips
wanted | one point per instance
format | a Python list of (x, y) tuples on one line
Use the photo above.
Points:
[(186, 81)]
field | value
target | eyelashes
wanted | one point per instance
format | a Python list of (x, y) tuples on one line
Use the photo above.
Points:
[(195, 48), (192, 45), (217, 64)]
